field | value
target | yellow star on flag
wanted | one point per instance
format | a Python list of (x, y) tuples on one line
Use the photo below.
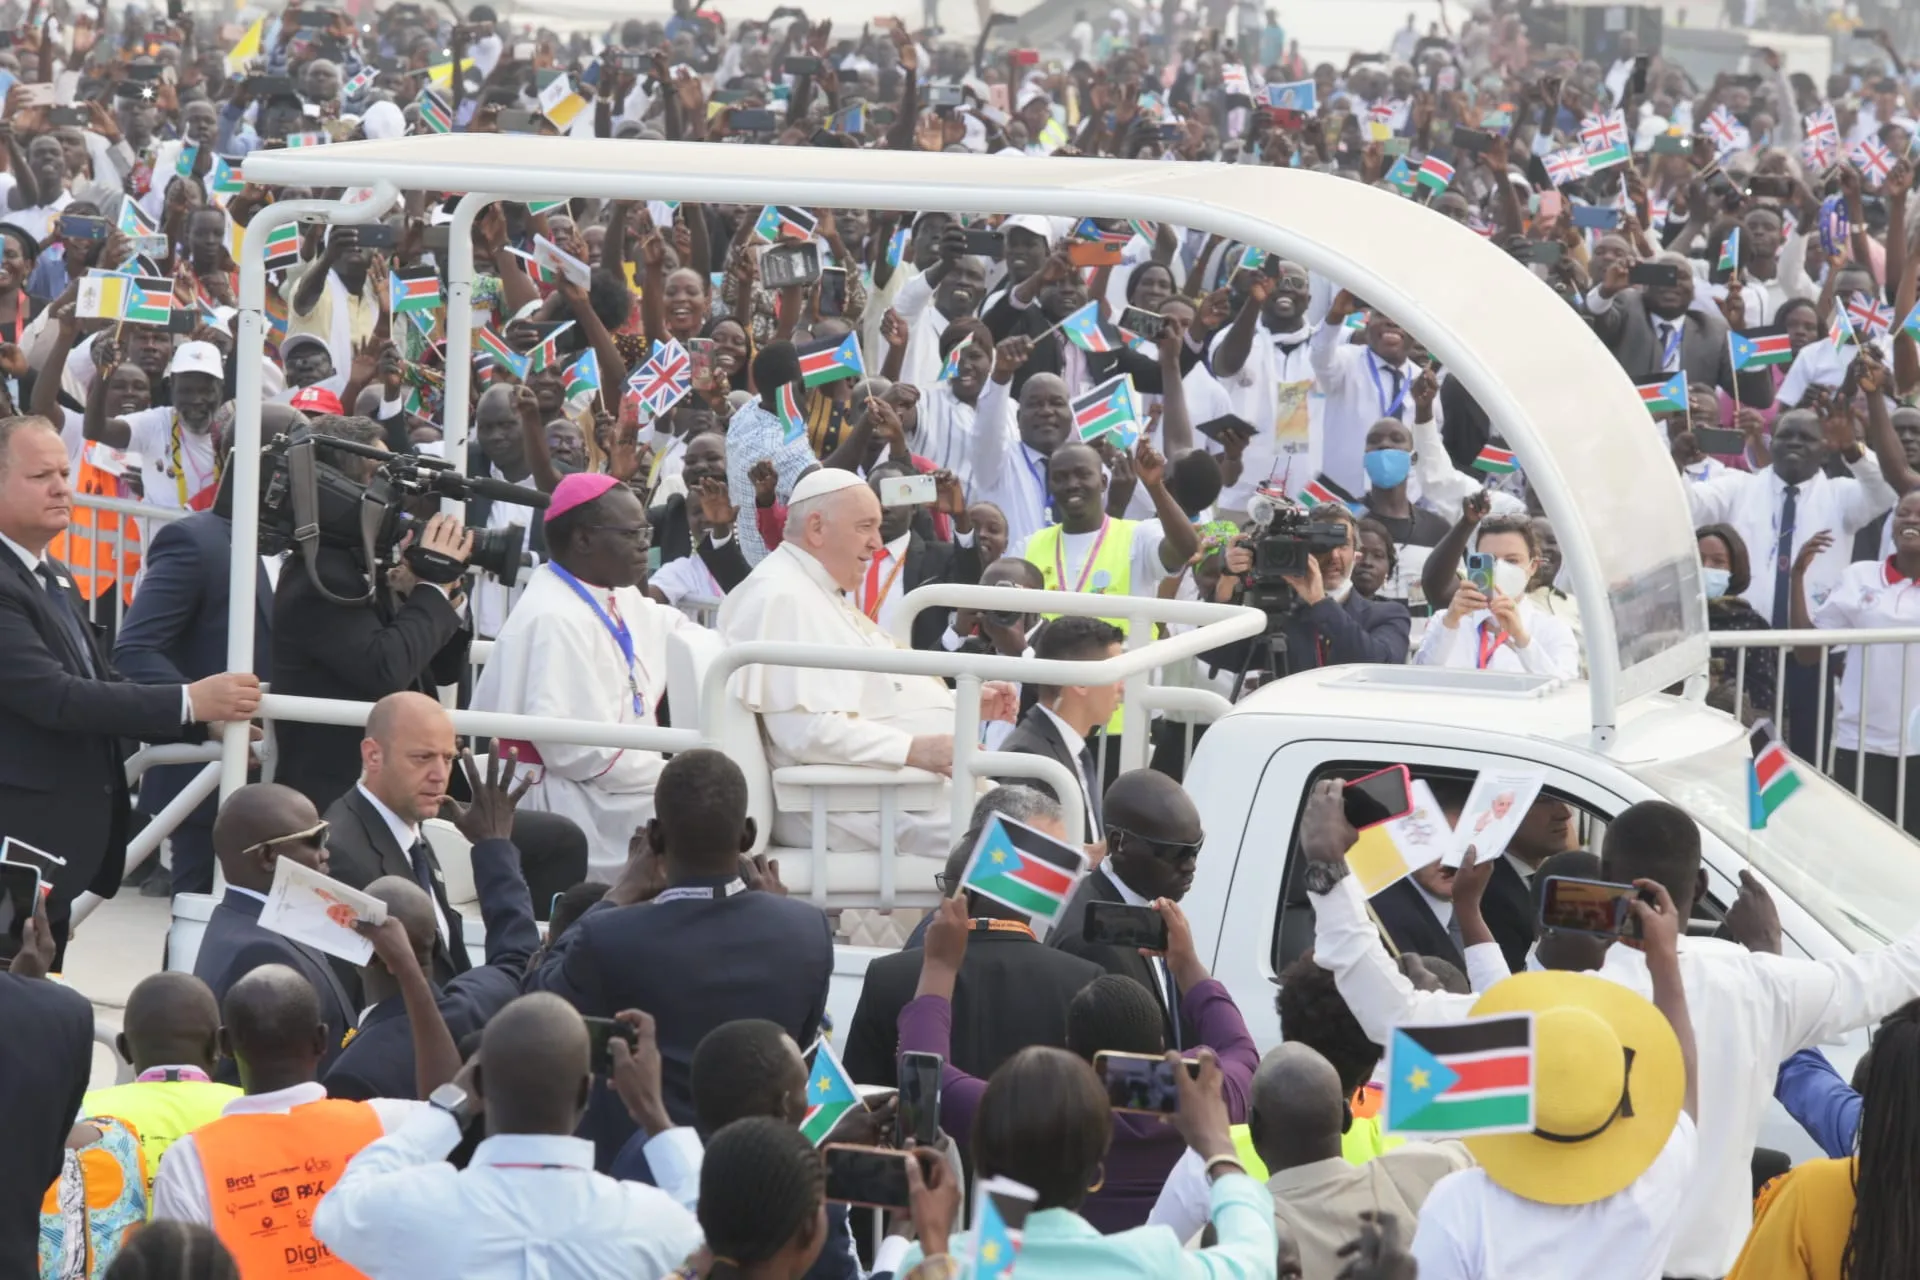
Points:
[(990, 1251), (1418, 1080), (824, 1083), (999, 855)]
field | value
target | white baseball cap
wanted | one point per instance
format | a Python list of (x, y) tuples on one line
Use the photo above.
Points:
[(197, 357)]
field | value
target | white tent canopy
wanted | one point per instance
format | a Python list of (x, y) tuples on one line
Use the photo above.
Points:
[(1551, 389)]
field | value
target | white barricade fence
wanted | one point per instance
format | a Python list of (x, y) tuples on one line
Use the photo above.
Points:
[(127, 510)]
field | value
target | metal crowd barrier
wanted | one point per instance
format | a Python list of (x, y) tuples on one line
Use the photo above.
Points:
[(1836, 649), (122, 507)]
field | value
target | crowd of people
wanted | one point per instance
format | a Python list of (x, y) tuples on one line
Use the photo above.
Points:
[(634, 1071)]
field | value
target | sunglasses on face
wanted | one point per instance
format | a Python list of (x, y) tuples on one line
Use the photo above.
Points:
[(317, 834), (1162, 850)]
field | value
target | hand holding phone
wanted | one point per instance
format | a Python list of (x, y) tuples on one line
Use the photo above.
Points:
[(1379, 797), (1120, 924), (918, 1116), (1598, 907), (601, 1033)]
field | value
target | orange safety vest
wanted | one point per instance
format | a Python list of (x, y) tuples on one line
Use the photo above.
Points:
[(265, 1176), (86, 548)]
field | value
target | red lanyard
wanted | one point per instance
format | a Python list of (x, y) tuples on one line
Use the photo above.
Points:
[(1059, 558), (1490, 643)]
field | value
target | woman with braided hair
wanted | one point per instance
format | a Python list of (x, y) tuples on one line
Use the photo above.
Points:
[(170, 1250), (1856, 1218)]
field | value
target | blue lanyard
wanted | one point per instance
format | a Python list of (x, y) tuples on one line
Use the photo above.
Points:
[(1400, 397), (622, 636)]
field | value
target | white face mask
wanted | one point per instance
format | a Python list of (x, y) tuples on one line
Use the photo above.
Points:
[(1716, 581), (1510, 579)]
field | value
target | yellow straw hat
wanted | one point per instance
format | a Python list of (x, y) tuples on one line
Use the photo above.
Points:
[(1608, 1086)]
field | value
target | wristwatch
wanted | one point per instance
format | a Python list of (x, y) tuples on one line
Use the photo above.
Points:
[(453, 1100), (1320, 877)]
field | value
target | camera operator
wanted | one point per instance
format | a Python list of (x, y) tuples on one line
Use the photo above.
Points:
[(412, 634), (1329, 624)]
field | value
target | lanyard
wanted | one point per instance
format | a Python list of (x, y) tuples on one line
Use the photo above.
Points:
[(986, 925), (1399, 397), (191, 502), (622, 636), (1086, 570), (701, 892), (874, 598), (1490, 642), (172, 1075)]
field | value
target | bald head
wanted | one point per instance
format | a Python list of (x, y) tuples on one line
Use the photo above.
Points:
[(406, 759), (1296, 1109), (172, 1019), (408, 903), (1153, 834), (534, 1069), (249, 829), (273, 1028)]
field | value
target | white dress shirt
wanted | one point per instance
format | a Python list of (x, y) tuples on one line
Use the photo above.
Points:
[(883, 584), (1551, 649), (526, 1206), (1274, 360), (1359, 393), (1006, 472), (1750, 1013), (1075, 744), (920, 363), (1751, 502), (406, 835), (1871, 594), (943, 431), (180, 1187), (1821, 364), (1470, 1228)]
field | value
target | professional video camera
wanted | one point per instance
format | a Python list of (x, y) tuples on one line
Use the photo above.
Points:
[(306, 504), (1283, 538)]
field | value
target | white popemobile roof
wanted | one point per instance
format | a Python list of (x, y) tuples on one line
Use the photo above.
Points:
[(1552, 390)]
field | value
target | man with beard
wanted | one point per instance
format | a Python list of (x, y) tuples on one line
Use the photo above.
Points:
[(1263, 362), (180, 458)]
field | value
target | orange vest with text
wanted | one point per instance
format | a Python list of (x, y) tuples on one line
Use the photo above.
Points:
[(87, 547), (265, 1176)]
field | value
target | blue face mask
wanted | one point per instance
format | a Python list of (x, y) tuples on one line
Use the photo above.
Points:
[(1716, 581), (1387, 467)]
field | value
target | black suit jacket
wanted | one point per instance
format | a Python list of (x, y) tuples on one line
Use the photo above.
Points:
[(357, 652), (234, 945), (175, 631), (1627, 327), (1507, 908), (1011, 992), (45, 1056), (1049, 353), (378, 1062), (1411, 924), (1125, 961), (480, 509), (1333, 633), (929, 560), (1038, 735), (693, 963), (64, 735), (673, 534), (361, 849)]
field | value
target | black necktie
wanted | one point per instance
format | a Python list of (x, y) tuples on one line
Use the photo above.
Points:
[(1783, 558), (1090, 778), (62, 605), (1392, 409), (422, 860)]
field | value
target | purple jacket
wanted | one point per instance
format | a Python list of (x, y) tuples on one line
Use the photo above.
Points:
[(1145, 1148)]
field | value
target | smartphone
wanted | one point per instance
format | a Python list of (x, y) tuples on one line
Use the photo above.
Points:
[(726, 97), (146, 71), (1552, 205), (636, 60), (1174, 132), (37, 95), (1480, 571), (752, 120), (1771, 186), (700, 357), (918, 1116), (1120, 924), (601, 1033), (947, 96), (782, 265), (1637, 78), (78, 226), (871, 1176), (1094, 253), (800, 66), (1395, 146), (1721, 440), (515, 120), (1024, 57), (1545, 252), (523, 50), (1379, 797), (68, 117), (1598, 217), (270, 86), (991, 245), (1589, 906), (833, 291), (1138, 1082), (908, 491), (19, 887), (377, 235), (1659, 275), (312, 18), (1148, 324), (1672, 144), (182, 322), (1225, 424), (1474, 140)]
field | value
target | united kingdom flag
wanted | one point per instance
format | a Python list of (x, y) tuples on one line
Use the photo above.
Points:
[(1723, 128), (1870, 316), (1599, 132), (663, 380), (1873, 159), (1566, 166), (1823, 127)]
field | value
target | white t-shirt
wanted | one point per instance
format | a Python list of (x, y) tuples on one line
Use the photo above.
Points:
[(1076, 549), (687, 578), (168, 484), (1869, 594), (1472, 1229)]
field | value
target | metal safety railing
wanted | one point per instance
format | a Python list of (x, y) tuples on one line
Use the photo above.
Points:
[(117, 539), (1875, 672)]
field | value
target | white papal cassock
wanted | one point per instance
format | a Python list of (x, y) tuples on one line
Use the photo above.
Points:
[(809, 716), (555, 657)]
